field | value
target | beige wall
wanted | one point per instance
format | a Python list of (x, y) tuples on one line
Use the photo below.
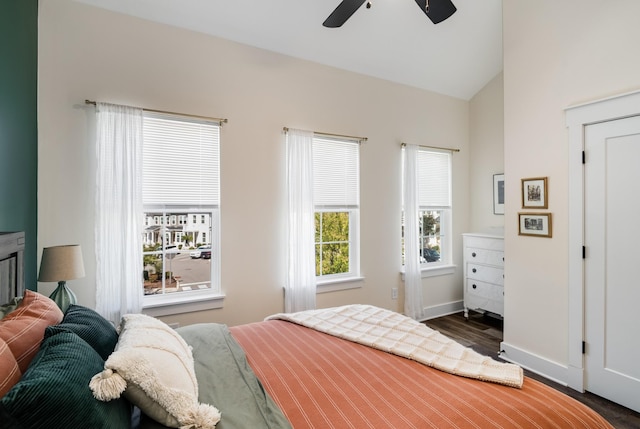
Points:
[(486, 155), (556, 54), (89, 53)]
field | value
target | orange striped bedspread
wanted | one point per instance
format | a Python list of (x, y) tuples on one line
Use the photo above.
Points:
[(321, 381)]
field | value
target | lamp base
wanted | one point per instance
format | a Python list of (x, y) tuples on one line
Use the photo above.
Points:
[(63, 296)]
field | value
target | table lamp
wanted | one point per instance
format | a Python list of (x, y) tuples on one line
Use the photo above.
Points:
[(59, 264)]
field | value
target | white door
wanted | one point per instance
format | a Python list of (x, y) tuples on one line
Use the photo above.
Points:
[(612, 264)]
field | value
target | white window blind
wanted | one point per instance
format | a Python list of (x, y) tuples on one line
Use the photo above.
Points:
[(336, 173), (181, 161), (435, 178)]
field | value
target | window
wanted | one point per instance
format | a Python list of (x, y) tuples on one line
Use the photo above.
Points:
[(434, 215), (336, 197), (181, 182)]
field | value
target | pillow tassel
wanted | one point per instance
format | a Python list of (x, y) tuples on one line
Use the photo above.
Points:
[(205, 416), (107, 385)]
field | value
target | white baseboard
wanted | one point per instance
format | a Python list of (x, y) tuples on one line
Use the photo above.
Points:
[(534, 363), (442, 310), (554, 371)]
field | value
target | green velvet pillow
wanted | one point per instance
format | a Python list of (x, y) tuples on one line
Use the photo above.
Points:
[(90, 326), (54, 391)]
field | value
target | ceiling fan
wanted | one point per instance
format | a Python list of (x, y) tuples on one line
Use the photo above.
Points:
[(436, 10)]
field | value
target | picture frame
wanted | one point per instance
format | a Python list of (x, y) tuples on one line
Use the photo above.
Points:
[(498, 194), (535, 194), (535, 224)]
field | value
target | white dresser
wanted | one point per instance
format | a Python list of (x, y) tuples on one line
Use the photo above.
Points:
[(483, 273)]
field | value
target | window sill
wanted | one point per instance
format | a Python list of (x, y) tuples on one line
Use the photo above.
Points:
[(339, 284), (170, 305), (440, 270)]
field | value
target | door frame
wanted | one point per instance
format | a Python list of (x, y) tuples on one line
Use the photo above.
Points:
[(577, 117)]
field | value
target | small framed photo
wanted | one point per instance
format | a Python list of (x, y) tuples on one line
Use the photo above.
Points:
[(534, 224), (535, 193), (498, 194)]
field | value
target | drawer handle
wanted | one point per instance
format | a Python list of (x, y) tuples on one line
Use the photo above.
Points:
[(474, 270), (474, 286), (473, 254)]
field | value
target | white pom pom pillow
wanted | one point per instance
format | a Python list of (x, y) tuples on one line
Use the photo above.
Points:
[(153, 366)]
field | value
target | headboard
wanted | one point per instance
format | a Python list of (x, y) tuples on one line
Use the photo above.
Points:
[(11, 265)]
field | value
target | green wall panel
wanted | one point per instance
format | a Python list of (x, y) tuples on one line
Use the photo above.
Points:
[(19, 125)]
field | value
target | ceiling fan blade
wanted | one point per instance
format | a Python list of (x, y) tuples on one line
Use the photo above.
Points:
[(343, 12), (439, 10)]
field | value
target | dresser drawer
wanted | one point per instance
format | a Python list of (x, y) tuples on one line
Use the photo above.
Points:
[(488, 243), (484, 256), (486, 290), (485, 273)]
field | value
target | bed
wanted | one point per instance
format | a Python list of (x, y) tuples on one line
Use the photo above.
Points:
[(276, 374), (323, 381)]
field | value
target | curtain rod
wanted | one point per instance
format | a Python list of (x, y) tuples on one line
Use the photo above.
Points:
[(434, 147), (359, 139), (221, 120)]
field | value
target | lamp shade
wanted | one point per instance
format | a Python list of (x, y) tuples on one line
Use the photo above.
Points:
[(61, 263)]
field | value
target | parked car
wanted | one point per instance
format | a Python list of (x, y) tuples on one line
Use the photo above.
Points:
[(206, 253), (430, 255), (198, 253), (170, 252)]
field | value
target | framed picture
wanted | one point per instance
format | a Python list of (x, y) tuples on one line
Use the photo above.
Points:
[(534, 193), (498, 194), (534, 224)]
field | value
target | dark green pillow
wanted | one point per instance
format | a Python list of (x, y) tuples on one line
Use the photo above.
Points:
[(54, 391), (90, 326)]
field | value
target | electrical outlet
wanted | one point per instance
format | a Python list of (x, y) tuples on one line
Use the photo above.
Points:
[(394, 293)]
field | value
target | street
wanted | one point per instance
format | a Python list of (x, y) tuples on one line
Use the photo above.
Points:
[(190, 272)]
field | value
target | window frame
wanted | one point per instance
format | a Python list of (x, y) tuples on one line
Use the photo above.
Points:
[(445, 264), (354, 247), (329, 282), (160, 300), (195, 300)]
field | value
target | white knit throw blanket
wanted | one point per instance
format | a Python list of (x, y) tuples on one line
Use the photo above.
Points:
[(394, 333)]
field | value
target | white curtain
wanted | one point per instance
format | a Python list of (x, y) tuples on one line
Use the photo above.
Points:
[(118, 211), (300, 288), (412, 278)]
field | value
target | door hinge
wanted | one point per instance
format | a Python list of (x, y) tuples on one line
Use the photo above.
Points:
[(584, 347), (584, 157), (584, 252)]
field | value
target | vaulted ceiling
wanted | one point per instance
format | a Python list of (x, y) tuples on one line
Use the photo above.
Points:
[(391, 40)]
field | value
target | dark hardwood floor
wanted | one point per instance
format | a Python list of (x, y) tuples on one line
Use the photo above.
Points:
[(484, 334)]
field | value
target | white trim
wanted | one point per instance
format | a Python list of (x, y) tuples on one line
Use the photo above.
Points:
[(438, 270), (441, 310), (534, 363), (614, 98), (188, 304), (577, 117), (338, 284)]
